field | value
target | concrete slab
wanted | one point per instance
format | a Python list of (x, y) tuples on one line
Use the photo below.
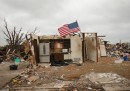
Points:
[(110, 81)]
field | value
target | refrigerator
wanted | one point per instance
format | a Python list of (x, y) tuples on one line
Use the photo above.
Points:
[(44, 49)]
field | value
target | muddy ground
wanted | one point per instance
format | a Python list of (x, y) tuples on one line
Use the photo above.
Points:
[(45, 74)]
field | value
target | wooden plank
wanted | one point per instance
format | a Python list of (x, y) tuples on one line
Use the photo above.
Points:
[(96, 46), (36, 51), (83, 47)]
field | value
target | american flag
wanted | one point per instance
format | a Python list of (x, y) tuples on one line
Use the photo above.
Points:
[(68, 29)]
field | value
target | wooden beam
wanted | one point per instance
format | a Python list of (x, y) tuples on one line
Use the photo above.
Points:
[(83, 47), (101, 36), (96, 46)]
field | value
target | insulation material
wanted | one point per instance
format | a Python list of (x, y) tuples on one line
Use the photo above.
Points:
[(76, 48)]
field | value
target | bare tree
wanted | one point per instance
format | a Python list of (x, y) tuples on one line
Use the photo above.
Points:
[(28, 35), (14, 38)]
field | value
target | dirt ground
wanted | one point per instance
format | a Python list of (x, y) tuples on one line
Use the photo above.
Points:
[(48, 74), (104, 65)]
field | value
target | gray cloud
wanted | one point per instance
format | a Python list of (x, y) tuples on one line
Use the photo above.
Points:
[(106, 17)]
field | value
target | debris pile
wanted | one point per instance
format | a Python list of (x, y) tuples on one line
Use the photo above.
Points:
[(25, 78), (31, 76), (2, 53), (51, 80), (119, 50), (69, 78), (15, 57), (84, 84)]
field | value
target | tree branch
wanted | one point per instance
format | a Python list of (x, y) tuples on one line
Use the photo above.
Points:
[(6, 27)]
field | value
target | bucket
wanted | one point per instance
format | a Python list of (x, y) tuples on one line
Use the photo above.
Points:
[(13, 67), (17, 61)]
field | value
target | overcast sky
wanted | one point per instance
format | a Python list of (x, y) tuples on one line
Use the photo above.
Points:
[(106, 17)]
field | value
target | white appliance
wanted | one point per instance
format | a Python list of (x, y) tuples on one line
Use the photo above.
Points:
[(44, 49)]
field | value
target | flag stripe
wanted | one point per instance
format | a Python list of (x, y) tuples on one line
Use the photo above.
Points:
[(68, 29), (63, 32)]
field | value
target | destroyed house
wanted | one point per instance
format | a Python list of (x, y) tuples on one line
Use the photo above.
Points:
[(76, 48)]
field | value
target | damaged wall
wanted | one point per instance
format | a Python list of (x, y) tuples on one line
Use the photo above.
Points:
[(76, 48), (91, 47), (35, 37), (35, 41), (101, 48)]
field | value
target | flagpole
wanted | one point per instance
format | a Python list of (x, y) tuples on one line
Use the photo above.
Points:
[(80, 32)]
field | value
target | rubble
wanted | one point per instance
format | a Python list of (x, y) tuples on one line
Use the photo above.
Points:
[(84, 84), (32, 78), (100, 82), (89, 76), (119, 50)]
